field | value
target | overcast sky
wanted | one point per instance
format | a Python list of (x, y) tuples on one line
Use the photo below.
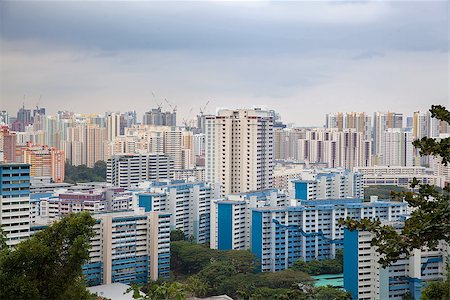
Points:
[(303, 59)]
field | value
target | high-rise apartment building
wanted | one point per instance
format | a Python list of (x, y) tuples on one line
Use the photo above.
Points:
[(127, 170), (314, 184), (361, 122), (159, 118), (187, 202), (85, 144), (8, 141), (366, 279), (397, 148), (45, 161), (309, 230), (150, 139), (239, 150), (381, 122), (15, 202), (112, 125), (343, 149)]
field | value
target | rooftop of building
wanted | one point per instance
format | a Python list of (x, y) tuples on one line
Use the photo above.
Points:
[(113, 291), (335, 280)]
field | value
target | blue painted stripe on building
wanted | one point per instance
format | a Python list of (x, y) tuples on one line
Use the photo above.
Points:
[(256, 242), (225, 226), (145, 201), (301, 190), (351, 262)]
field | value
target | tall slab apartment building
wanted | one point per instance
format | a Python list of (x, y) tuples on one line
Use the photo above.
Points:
[(239, 150)]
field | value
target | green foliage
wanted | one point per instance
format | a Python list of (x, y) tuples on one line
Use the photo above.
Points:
[(329, 293), (177, 235), (429, 222), (382, 191), (283, 279), (48, 265), (430, 146), (437, 290), (188, 258), (164, 291), (318, 267), (81, 173), (196, 286)]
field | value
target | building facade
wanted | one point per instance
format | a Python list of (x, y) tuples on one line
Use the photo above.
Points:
[(127, 170), (239, 150), (15, 202)]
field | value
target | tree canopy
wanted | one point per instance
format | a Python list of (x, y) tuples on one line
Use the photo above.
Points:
[(81, 173), (429, 222), (202, 271), (48, 265), (319, 267)]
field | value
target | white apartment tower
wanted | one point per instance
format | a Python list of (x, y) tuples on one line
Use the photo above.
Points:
[(239, 150), (127, 170)]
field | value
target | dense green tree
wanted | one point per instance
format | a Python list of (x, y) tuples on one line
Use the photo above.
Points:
[(437, 290), (318, 267), (242, 260), (329, 293), (162, 291), (429, 222), (48, 265), (177, 235), (196, 286), (382, 191), (283, 279), (188, 258), (81, 173)]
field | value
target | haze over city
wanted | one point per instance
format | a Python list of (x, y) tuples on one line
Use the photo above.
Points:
[(303, 59), (224, 150)]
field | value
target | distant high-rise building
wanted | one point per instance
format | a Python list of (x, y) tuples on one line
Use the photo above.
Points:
[(239, 150), (23, 119), (127, 170), (130, 118), (397, 148), (4, 117), (345, 149), (45, 161), (361, 122), (8, 142), (425, 125), (112, 125), (85, 144), (381, 122), (157, 117)]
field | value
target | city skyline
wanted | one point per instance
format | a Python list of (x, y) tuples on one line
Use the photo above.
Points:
[(301, 59)]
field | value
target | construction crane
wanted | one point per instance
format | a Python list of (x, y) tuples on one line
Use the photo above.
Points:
[(202, 109), (174, 108), (186, 120), (159, 104)]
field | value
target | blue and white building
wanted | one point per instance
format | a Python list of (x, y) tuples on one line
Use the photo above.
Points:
[(327, 184), (309, 230), (366, 279), (188, 203), (15, 201), (129, 247), (231, 217)]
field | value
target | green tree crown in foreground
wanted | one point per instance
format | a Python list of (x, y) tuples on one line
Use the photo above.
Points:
[(48, 265), (429, 221)]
